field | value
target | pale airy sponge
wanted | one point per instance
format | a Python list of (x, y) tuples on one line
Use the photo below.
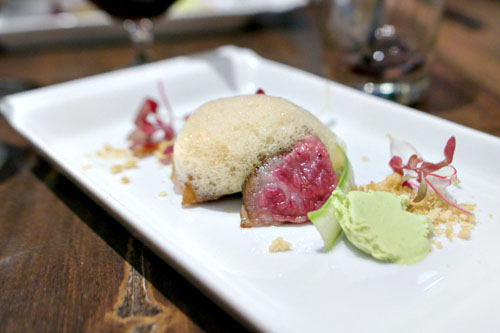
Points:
[(224, 140)]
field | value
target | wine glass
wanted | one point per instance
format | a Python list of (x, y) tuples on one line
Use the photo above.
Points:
[(137, 18)]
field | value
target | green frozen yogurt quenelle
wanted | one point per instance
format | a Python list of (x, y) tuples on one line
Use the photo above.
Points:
[(378, 224)]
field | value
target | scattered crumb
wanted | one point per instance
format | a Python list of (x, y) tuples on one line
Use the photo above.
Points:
[(162, 194), (490, 216), (449, 230), (131, 163), (444, 216), (364, 158), (465, 232), (279, 245), (125, 180), (110, 152), (116, 169), (438, 232), (87, 155), (438, 244), (144, 150), (85, 167)]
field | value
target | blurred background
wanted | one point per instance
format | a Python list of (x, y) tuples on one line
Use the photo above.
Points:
[(360, 43)]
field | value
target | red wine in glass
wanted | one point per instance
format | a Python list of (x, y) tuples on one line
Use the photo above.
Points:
[(136, 16), (134, 9)]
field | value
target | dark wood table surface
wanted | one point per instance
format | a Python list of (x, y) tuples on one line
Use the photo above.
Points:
[(67, 265)]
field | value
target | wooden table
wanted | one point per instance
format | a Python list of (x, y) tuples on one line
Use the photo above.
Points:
[(66, 265)]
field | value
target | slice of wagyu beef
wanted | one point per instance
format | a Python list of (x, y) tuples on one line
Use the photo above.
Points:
[(288, 185)]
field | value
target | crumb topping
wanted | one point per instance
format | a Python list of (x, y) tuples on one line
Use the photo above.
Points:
[(444, 217)]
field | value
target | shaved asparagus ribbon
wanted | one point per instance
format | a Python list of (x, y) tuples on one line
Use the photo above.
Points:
[(419, 174), (345, 171)]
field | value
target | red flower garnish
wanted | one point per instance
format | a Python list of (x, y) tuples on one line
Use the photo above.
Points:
[(150, 128), (260, 92), (418, 173)]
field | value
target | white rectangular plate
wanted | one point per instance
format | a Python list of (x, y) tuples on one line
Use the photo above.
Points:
[(305, 289)]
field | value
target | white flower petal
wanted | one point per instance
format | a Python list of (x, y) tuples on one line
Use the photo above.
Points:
[(402, 149)]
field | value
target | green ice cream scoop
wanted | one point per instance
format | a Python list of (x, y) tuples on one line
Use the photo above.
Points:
[(378, 224)]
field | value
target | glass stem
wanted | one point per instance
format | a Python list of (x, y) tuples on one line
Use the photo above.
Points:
[(141, 35), (377, 16)]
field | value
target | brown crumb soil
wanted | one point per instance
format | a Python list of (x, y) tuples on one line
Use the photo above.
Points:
[(131, 163), (443, 216), (279, 245), (438, 244), (109, 152)]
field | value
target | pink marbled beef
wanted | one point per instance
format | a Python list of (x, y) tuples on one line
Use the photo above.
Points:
[(288, 186)]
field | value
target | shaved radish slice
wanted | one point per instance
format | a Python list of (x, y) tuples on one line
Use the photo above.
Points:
[(443, 177)]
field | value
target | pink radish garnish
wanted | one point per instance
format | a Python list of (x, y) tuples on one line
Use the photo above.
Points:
[(151, 129), (418, 173)]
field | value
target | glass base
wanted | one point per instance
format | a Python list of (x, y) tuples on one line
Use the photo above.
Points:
[(407, 93), (405, 82)]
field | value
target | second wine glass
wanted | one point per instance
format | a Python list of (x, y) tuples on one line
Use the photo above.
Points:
[(136, 16)]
